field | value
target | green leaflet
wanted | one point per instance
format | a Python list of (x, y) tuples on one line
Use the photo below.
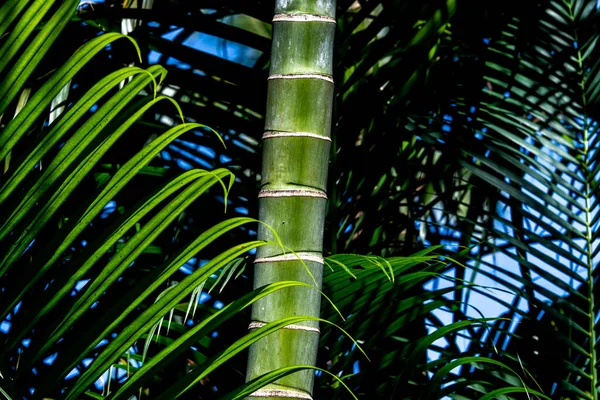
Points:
[(4, 394), (120, 179), (9, 13), (133, 298), (62, 126), (240, 345), (70, 153), (192, 335), (446, 369), (77, 144), (38, 104), (26, 64), (24, 27), (499, 392), (150, 284), (87, 259), (152, 314), (441, 332), (132, 249)]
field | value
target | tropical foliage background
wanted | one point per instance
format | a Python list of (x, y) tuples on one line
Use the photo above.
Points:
[(464, 170)]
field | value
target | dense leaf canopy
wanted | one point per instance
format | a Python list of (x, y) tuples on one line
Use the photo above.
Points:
[(463, 169)]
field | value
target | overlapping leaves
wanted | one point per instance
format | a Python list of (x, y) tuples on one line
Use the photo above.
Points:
[(67, 258)]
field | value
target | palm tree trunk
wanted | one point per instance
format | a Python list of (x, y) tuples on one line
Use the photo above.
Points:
[(292, 199)]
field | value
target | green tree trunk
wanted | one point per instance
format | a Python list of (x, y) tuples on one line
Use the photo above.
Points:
[(296, 145)]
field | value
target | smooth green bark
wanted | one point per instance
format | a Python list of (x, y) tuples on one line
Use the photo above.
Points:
[(296, 149)]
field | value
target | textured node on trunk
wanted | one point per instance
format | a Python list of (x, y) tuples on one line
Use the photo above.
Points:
[(292, 199)]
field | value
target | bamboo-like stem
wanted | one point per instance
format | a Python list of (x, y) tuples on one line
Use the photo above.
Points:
[(292, 200)]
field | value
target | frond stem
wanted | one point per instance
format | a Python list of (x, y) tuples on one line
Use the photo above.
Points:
[(588, 192)]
